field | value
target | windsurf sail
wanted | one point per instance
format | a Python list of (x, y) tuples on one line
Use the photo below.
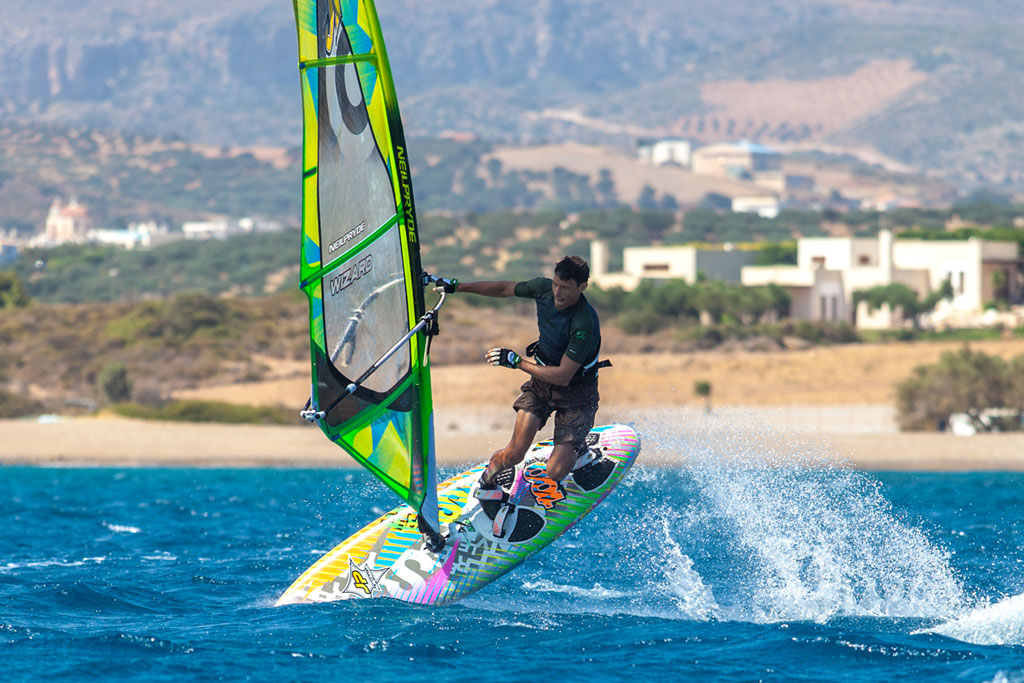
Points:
[(360, 262)]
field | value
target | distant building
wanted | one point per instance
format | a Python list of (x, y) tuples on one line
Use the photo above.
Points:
[(741, 159), (137, 236), (666, 263), (207, 230), (766, 207), (67, 223), (666, 151), (8, 254), (783, 183), (830, 269), (222, 229)]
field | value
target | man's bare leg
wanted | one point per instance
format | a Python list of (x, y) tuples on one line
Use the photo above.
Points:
[(527, 425), (561, 460)]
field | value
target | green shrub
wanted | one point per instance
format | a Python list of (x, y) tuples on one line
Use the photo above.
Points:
[(641, 321), (967, 382), (114, 383), (12, 294), (210, 411)]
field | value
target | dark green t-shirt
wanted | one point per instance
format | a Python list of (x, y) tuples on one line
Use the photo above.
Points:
[(574, 332)]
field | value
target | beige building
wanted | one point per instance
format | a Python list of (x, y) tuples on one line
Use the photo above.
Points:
[(830, 269), (67, 222), (736, 160), (666, 263)]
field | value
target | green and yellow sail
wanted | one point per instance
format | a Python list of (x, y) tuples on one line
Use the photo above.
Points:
[(360, 263)]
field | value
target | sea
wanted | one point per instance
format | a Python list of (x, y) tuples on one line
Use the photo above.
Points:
[(746, 568)]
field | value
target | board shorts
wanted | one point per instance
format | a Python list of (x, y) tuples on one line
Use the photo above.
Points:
[(574, 406)]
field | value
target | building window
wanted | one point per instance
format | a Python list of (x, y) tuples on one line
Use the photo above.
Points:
[(655, 267), (864, 260), (818, 262), (835, 308), (824, 308), (960, 288)]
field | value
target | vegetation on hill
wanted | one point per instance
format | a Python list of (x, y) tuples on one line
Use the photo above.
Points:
[(241, 265), (153, 67), (142, 351), (497, 245)]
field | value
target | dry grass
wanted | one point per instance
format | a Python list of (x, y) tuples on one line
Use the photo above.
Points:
[(830, 375)]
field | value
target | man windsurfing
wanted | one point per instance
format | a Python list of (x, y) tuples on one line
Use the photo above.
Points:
[(563, 374)]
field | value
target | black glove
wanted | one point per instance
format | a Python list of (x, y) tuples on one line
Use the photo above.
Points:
[(506, 358), (448, 285)]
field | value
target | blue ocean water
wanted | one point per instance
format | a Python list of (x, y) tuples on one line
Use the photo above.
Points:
[(725, 571)]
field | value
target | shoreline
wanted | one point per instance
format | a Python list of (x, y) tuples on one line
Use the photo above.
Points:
[(680, 439)]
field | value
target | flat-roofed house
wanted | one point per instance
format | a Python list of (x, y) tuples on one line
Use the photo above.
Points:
[(830, 269), (667, 263)]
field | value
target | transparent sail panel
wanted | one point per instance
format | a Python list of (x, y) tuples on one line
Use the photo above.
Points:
[(355, 191), (364, 312)]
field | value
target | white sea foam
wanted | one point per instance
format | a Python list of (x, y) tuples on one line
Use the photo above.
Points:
[(42, 564), (598, 591), (692, 597), (1001, 623), (163, 556), (783, 541), (122, 528)]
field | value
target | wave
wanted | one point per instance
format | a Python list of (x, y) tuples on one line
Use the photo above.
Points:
[(42, 564), (597, 592), (1001, 623), (122, 528)]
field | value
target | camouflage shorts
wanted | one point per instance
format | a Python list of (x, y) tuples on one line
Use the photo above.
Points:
[(574, 406)]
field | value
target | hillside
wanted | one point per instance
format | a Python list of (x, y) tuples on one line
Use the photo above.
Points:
[(123, 177), (924, 81)]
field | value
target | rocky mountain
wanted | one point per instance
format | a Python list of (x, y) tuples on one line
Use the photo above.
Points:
[(928, 82)]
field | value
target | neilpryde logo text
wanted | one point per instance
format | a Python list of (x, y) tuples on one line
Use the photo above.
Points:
[(348, 236)]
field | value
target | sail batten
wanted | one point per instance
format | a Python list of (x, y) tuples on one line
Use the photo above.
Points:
[(359, 259)]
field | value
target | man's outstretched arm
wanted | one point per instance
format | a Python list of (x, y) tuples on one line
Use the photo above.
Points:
[(559, 375), (496, 288)]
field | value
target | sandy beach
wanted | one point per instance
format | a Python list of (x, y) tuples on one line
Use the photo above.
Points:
[(680, 438), (820, 406)]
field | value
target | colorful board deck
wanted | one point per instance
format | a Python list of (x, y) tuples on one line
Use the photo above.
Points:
[(387, 559)]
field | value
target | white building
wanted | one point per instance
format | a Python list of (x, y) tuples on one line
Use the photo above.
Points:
[(207, 230), (830, 269), (666, 263), (765, 207), (137, 236), (665, 151)]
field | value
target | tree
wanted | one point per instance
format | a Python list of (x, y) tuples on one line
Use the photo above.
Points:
[(964, 381), (114, 383), (648, 199), (897, 294), (776, 253), (605, 188), (12, 294), (702, 388)]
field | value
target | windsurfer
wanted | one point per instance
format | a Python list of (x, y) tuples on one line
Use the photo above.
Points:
[(563, 374)]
